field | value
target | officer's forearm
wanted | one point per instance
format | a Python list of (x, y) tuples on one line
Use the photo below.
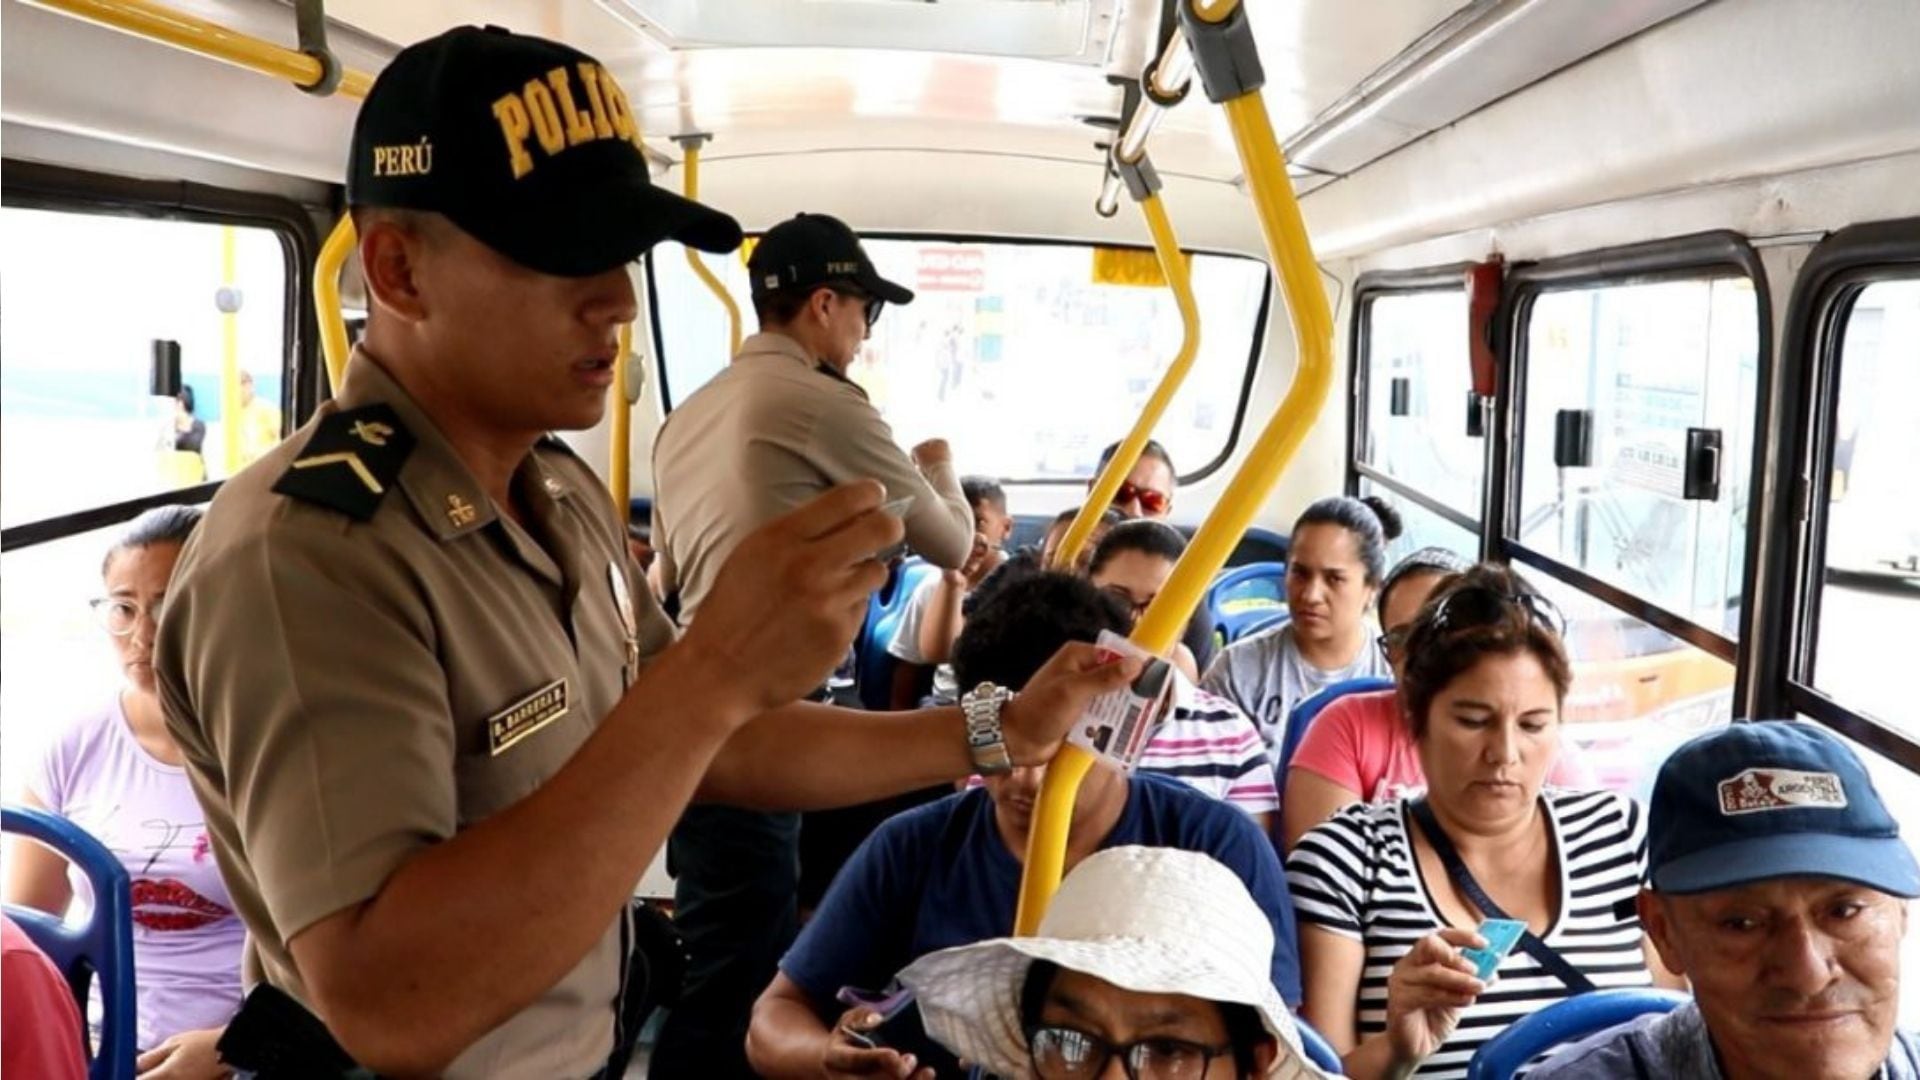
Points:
[(474, 929), (812, 757)]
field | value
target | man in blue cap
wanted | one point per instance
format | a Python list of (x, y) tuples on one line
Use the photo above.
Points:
[(1778, 888)]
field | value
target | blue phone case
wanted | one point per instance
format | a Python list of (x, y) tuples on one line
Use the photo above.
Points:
[(1501, 936)]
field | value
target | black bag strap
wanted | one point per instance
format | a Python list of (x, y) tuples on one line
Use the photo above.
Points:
[(1552, 962)]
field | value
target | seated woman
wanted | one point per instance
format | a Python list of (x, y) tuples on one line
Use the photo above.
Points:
[(1361, 748), (1334, 564), (948, 873), (117, 774), (1388, 895), (1205, 741)]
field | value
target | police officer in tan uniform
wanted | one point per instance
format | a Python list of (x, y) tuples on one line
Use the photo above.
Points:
[(781, 424), (438, 727)]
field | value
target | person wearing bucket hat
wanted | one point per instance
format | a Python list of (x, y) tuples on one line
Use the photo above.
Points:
[(1155, 957), (438, 725), (778, 425), (1777, 885)]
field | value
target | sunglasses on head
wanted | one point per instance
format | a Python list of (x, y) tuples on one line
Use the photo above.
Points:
[(874, 304), (1483, 605), (1152, 503)]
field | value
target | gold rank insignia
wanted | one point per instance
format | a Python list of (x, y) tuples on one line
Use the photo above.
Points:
[(526, 716), (350, 461), (460, 511)]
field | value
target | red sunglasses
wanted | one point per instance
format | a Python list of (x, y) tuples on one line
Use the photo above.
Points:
[(1152, 503)]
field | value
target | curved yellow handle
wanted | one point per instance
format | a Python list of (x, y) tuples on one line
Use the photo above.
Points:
[(1180, 278), (691, 165), (1291, 254), (326, 299)]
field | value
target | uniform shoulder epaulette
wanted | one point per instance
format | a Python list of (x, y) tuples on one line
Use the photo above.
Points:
[(837, 375), (350, 461)]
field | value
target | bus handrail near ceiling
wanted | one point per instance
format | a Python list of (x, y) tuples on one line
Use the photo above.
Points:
[(1230, 71)]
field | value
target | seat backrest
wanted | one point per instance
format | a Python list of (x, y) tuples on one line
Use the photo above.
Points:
[(1305, 713), (1563, 1022), (101, 948), (1319, 1050), (1244, 596), (873, 664)]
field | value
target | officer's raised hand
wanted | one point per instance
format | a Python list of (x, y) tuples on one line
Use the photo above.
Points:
[(789, 600)]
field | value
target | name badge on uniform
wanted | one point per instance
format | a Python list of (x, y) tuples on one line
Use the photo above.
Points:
[(629, 620), (526, 716)]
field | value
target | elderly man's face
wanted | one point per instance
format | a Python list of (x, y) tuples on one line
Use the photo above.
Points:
[(1798, 978)]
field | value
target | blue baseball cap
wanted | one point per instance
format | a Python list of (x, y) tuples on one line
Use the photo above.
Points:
[(1772, 799)]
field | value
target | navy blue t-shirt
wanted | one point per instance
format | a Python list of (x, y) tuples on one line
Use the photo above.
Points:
[(939, 876)]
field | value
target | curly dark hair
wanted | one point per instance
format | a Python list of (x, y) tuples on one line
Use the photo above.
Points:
[(1487, 610)]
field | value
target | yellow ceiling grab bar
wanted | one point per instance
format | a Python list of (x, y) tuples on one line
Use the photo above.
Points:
[(157, 22), (1179, 274), (1230, 71), (690, 162)]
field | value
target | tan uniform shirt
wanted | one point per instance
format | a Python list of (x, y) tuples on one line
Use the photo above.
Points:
[(348, 692), (772, 431)]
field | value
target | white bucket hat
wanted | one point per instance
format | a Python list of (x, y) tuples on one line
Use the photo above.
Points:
[(1151, 920)]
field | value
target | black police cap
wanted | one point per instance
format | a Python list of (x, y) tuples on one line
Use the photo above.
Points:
[(813, 249), (528, 145)]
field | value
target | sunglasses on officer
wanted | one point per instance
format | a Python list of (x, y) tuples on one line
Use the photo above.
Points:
[(1152, 503), (874, 305)]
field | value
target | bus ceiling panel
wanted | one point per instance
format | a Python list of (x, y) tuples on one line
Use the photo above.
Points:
[(67, 150), (1483, 52), (210, 109), (1725, 93)]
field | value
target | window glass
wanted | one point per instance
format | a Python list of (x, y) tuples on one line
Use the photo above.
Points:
[(1418, 382), (1005, 339), (1640, 365), (1638, 691), (1421, 528), (1870, 594), (86, 296)]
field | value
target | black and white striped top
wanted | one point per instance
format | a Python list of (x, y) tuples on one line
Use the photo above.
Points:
[(1355, 875)]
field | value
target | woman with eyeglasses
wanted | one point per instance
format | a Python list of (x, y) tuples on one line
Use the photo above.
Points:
[(117, 773), (1335, 560), (1361, 749), (1390, 897)]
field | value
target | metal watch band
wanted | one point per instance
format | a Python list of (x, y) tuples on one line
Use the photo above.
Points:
[(985, 740)]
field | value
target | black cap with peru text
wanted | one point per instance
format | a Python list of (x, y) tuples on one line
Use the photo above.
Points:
[(807, 250), (526, 144)]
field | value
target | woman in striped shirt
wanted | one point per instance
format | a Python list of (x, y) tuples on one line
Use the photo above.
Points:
[(1385, 913)]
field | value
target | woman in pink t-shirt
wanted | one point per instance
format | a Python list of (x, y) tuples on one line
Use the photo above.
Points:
[(1360, 748), (117, 773)]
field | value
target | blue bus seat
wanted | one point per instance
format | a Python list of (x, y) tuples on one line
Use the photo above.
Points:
[(102, 947), (1243, 596), (1319, 1050), (1305, 713), (873, 664), (1563, 1022)]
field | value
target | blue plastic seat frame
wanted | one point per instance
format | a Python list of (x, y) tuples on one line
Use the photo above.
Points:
[(1319, 1050), (1305, 713), (873, 664), (103, 947), (1564, 1022)]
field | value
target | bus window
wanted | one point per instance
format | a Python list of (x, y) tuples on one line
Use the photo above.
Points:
[(86, 296), (1417, 387), (1870, 598), (1638, 691), (1422, 528), (1637, 365), (1003, 337)]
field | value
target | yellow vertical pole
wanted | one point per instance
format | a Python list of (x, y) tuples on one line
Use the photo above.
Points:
[(1290, 253), (229, 360), (1179, 277), (326, 298), (620, 472), (690, 165)]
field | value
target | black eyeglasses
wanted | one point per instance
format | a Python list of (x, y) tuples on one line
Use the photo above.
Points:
[(1063, 1053), (874, 304), (1481, 605)]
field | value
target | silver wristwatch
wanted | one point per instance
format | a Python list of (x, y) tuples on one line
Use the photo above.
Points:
[(985, 741)]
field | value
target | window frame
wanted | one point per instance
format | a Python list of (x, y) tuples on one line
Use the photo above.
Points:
[(1369, 287), (1793, 516), (1262, 319), (1674, 258), (34, 186)]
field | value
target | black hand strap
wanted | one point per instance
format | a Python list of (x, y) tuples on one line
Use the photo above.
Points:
[(1552, 962)]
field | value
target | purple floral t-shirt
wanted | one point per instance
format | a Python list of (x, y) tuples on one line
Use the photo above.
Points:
[(186, 937)]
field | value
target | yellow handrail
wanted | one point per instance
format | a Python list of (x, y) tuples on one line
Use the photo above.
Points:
[(229, 360), (691, 165), (1180, 278), (1291, 254), (326, 299), (158, 22), (619, 475)]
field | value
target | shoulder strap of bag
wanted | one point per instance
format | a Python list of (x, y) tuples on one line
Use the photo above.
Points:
[(1543, 954)]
